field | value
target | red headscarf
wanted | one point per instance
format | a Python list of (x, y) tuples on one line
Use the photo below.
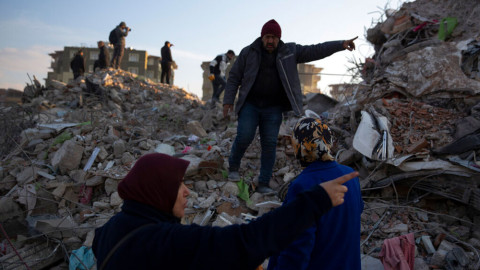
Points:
[(154, 180)]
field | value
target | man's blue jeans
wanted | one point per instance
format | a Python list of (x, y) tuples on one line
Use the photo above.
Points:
[(268, 121), (218, 84)]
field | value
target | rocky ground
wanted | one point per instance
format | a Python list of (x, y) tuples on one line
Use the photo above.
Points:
[(64, 150)]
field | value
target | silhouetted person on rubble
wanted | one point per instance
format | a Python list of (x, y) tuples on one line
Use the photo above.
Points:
[(78, 65), (147, 233), (265, 76), (333, 242), (218, 68), (166, 63), (103, 57), (118, 41)]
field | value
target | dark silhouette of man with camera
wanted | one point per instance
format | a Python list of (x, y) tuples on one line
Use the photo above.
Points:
[(166, 63), (117, 38)]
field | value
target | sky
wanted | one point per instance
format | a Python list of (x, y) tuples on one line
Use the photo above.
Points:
[(199, 30)]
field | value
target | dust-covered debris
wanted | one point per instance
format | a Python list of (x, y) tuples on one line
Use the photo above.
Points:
[(66, 148)]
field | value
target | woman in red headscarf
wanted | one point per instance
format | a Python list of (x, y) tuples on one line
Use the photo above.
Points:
[(147, 233)]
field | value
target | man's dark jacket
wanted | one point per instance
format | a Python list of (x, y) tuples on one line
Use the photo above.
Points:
[(245, 69), (103, 57), (121, 34), (78, 64), (170, 245), (166, 54)]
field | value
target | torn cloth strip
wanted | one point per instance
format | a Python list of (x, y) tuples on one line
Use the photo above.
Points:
[(398, 253)]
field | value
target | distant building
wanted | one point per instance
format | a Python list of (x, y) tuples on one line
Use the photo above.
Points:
[(207, 87), (134, 61), (10, 95), (308, 74), (309, 77)]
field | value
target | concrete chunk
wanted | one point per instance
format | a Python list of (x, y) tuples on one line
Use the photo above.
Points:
[(195, 128), (94, 181), (119, 148), (68, 157), (115, 199), (231, 188)]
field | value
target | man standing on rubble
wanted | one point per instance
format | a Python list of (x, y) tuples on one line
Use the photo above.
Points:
[(103, 57), (117, 38), (266, 77), (218, 68), (78, 64), (166, 63)]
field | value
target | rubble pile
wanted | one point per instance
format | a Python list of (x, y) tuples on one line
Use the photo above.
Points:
[(59, 178), (412, 130)]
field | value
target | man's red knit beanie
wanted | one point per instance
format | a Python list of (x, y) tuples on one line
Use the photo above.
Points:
[(273, 28)]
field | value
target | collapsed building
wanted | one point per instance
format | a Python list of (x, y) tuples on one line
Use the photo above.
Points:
[(411, 128)]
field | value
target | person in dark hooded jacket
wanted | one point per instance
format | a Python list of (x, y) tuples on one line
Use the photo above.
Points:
[(78, 65), (147, 233), (103, 57)]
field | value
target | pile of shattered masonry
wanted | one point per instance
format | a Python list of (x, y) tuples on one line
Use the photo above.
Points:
[(411, 128)]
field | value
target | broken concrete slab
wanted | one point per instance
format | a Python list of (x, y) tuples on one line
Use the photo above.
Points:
[(68, 157), (27, 175), (165, 149), (320, 103), (432, 69), (9, 209), (194, 164), (56, 227), (119, 147), (369, 262), (194, 127), (115, 199)]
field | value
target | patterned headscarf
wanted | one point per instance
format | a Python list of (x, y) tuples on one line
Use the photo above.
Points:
[(312, 141)]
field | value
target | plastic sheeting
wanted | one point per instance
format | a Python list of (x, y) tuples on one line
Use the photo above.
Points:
[(369, 137)]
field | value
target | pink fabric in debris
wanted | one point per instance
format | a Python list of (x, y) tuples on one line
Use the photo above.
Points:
[(398, 253)]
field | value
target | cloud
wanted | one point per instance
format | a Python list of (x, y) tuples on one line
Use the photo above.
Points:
[(191, 55), (16, 63), (39, 32), (176, 53)]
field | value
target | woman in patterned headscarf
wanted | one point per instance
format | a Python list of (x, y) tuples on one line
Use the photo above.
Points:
[(312, 141), (147, 233), (334, 241)]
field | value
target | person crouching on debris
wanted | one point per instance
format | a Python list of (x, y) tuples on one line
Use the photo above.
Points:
[(333, 242), (147, 233)]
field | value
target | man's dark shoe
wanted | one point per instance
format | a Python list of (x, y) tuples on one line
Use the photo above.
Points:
[(233, 176), (213, 103), (264, 189)]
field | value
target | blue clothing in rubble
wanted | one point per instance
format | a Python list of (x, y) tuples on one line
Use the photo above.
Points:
[(334, 241)]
